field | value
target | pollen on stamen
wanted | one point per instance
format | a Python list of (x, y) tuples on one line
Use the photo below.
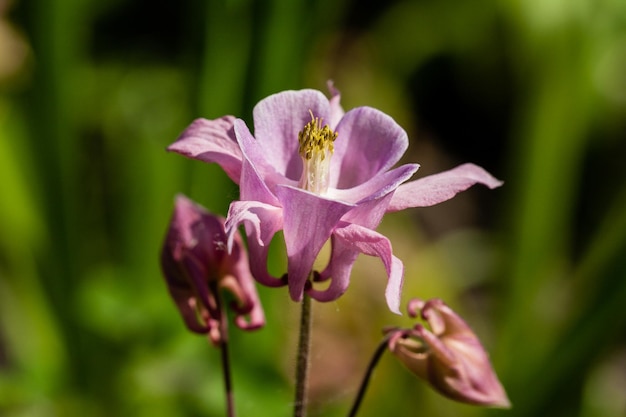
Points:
[(316, 149)]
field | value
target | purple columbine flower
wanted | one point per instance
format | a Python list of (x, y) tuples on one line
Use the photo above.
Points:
[(317, 173), (449, 356), (197, 264)]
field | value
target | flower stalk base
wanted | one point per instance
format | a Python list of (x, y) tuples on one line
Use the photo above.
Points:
[(302, 360)]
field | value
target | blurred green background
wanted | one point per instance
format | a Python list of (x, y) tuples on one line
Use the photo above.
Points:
[(91, 93)]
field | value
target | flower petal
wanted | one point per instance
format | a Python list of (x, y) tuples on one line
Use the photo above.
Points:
[(437, 188), (261, 221), (348, 241), (450, 357), (308, 223), (211, 141), (377, 186), (368, 142), (471, 377), (370, 213), (258, 178), (342, 258), (442, 320), (277, 121), (393, 291), (197, 266), (184, 297), (247, 306), (191, 256)]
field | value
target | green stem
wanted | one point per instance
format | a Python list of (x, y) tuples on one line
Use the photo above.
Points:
[(225, 357), (382, 347), (302, 360), (228, 387)]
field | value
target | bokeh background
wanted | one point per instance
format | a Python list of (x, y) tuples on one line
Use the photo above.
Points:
[(91, 93)]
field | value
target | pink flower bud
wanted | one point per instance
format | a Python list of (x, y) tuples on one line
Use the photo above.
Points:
[(197, 264), (449, 356)]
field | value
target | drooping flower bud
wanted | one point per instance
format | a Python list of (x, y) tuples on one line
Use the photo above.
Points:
[(449, 356), (197, 265)]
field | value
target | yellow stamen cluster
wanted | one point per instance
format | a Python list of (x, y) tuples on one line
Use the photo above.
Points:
[(316, 148), (315, 138)]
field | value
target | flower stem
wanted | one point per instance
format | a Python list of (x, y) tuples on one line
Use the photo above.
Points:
[(302, 360), (382, 347), (225, 357), (228, 387)]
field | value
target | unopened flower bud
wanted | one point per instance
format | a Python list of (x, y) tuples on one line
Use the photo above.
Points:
[(197, 265), (449, 356)]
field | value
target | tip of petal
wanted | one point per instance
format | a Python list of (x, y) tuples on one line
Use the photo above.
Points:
[(501, 403), (480, 175), (395, 282), (437, 188)]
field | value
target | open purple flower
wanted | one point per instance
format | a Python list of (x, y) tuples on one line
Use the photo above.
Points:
[(317, 173), (197, 265)]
